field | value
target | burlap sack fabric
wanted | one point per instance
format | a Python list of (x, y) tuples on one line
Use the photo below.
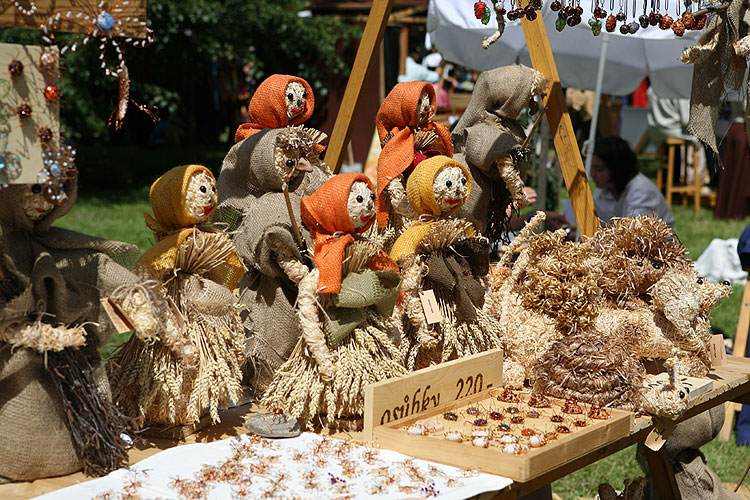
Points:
[(60, 275), (268, 107), (398, 116), (154, 380), (252, 202), (488, 129)]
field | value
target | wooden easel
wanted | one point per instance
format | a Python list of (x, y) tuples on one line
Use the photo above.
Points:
[(740, 348), (557, 112)]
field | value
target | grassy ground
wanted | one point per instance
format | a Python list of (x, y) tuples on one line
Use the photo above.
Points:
[(117, 213)]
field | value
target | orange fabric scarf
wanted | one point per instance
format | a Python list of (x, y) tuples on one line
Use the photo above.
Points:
[(398, 114), (267, 108), (325, 213)]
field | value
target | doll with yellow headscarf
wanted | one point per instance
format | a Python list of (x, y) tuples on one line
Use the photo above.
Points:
[(447, 256), (345, 308), (172, 379)]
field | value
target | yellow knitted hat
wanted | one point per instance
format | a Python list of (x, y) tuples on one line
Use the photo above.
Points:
[(419, 187), (167, 195)]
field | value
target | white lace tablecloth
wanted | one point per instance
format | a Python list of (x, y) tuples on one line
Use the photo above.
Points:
[(309, 466)]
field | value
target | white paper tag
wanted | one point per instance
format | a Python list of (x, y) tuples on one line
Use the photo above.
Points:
[(117, 316), (717, 351), (430, 306), (654, 441)]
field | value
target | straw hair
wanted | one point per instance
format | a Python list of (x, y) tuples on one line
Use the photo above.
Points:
[(267, 107), (396, 120)]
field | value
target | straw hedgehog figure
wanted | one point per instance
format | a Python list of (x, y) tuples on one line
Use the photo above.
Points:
[(345, 304), (407, 135), (172, 379), (446, 256)]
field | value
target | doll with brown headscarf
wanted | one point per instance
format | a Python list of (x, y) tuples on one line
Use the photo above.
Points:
[(444, 255), (345, 305), (280, 101), (173, 379), (56, 414), (488, 139), (407, 135)]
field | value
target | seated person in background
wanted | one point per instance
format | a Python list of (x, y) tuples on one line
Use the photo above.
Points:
[(621, 190)]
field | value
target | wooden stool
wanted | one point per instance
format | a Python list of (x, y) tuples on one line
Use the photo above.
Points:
[(671, 144)]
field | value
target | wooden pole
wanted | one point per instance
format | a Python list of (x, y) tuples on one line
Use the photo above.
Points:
[(740, 348), (371, 38), (561, 127)]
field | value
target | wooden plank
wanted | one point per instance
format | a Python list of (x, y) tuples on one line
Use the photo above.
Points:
[(662, 474), (371, 38), (430, 388), (561, 127), (10, 16)]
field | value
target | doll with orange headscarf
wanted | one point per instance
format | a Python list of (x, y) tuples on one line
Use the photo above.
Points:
[(445, 255), (173, 379), (280, 101), (407, 135), (345, 307)]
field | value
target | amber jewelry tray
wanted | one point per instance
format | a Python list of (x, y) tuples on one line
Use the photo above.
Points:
[(558, 437)]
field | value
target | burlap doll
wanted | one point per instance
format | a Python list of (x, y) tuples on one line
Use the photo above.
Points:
[(444, 255), (345, 304), (56, 415), (279, 101), (253, 178), (488, 140), (407, 134), (173, 379)]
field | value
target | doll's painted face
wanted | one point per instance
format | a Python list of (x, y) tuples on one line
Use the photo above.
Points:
[(450, 188), (361, 204), (200, 199), (424, 108), (296, 99), (35, 204)]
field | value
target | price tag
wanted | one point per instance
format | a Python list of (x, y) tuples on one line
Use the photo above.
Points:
[(430, 306), (717, 351)]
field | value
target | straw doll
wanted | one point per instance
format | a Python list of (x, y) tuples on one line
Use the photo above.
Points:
[(173, 379), (488, 139), (56, 414), (446, 256), (279, 101), (407, 135), (345, 304), (261, 184)]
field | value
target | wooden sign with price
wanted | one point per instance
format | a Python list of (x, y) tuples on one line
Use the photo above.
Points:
[(441, 385)]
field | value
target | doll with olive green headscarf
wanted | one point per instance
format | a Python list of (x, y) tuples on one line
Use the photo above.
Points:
[(345, 307), (173, 379), (447, 256)]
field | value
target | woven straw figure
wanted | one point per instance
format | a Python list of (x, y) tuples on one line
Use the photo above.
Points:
[(550, 293), (488, 139), (253, 178), (279, 101), (446, 256), (407, 135), (173, 378), (345, 305), (635, 252), (56, 414)]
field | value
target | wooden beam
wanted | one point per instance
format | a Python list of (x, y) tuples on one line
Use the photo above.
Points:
[(371, 38), (561, 127), (11, 16), (740, 348)]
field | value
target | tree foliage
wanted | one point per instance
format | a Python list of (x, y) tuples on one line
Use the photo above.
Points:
[(194, 67)]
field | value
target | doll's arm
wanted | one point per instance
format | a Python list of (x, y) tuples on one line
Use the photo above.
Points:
[(42, 336), (400, 202), (288, 261)]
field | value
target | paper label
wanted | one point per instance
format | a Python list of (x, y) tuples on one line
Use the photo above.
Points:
[(119, 319), (430, 306), (717, 351), (654, 441)]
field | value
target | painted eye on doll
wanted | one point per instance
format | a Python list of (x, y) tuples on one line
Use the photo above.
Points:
[(682, 394), (203, 189), (372, 196), (290, 163), (699, 281), (640, 264), (448, 183), (360, 199), (463, 180), (304, 95), (36, 189), (725, 283), (656, 266), (290, 96)]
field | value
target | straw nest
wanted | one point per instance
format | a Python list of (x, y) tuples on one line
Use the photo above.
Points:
[(591, 366), (634, 253)]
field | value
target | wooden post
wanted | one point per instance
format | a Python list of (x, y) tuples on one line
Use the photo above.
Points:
[(11, 16), (403, 49), (371, 38), (561, 127), (662, 474), (740, 348)]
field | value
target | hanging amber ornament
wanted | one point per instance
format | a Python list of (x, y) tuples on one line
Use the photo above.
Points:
[(643, 21), (688, 20), (611, 23), (700, 21), (678, 27), (666, 22)]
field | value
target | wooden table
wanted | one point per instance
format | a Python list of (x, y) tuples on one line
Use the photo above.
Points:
[(731, 383)]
